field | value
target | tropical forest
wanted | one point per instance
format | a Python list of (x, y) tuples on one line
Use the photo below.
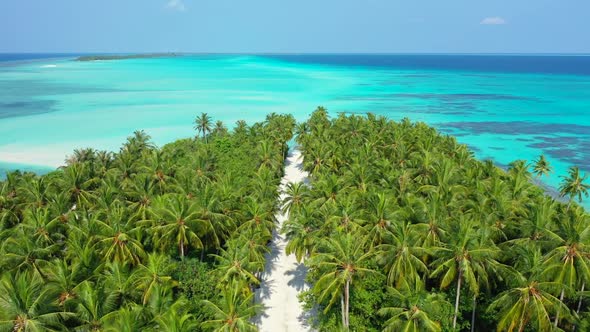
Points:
[(398, 227), (145, 239)]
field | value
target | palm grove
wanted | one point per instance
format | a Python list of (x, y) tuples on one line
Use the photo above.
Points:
[(403, 230), (146, 239)]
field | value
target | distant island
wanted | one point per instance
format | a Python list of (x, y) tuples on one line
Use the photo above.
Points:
[(124, 57)]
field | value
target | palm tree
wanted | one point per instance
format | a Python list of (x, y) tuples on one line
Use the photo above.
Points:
[(345, 216), (75, 181), (81, 156), (35, 191), (121, 283), (232, 313), (415, 310), (380, 215), (542, 167), (177, 318), (573, 185), (536, 230), (463, 258), (256, 243), (137, 144), (302, 238), (402, 258), (96, 306), (342, 260), (158, 168), (42, 226), (64, 279), (241, 128), (26, 306), (528, 304), (117, 241), (432, 217), (22, 253), (295, 194), (264, 185), (267, 155), (217, 224), (126, 319), (235, 267), (155, 273), (203, 124), (258, 217), (569, 261), (220, 129), (319, 119), (178, 224), (140, 195)]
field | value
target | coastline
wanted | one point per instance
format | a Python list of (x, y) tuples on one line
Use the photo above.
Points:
[(42, 161), (502, 116)]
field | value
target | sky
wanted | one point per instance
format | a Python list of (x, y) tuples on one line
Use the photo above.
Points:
[(295, 26)]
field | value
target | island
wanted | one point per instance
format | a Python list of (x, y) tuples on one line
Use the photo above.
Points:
[(126, 56)]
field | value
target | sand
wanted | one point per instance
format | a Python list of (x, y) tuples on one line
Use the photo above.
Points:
[(283, 278)]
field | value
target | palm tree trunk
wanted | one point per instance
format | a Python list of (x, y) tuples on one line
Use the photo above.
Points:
[(558, 308), (579, 304), (181, 247), (202, 254), (457, 299), (473, 313), (342, 311), (580, 301), (346, 304)]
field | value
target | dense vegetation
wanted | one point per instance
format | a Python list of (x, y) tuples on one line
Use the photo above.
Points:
[(168, 239), (403, 230)]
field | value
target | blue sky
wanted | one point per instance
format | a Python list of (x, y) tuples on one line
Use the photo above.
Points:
[(306, 26)]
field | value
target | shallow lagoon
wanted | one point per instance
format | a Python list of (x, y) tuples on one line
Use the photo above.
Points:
[(503, 107)]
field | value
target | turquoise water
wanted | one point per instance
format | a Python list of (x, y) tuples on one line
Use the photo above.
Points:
[(504, 108)]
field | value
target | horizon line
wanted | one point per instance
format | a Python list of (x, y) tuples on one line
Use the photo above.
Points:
[(312, 53)]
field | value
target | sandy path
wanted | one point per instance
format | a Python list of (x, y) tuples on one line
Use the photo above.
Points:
[(283, 278)]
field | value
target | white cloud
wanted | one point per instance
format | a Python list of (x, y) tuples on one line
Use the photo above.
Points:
[(496, 20), (176, 5)]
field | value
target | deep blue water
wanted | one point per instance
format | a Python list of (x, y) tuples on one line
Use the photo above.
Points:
[(546, 64)]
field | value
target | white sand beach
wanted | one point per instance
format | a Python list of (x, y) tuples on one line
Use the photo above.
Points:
[(283, 278)]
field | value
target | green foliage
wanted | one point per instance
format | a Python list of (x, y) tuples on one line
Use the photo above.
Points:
[(121, 241), (437, 226), (195, 282)]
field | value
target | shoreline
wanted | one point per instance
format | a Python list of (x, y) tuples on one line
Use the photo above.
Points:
[(47, 161)]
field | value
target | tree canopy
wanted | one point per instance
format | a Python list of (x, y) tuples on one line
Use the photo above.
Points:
[(452, 243), (136, 240)]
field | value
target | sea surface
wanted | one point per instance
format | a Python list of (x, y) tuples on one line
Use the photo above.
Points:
[(505, 107)]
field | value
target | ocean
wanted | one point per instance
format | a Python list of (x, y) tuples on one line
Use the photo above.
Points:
[(505, 107)]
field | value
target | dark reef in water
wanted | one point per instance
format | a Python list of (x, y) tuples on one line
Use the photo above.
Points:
[(125, 57)]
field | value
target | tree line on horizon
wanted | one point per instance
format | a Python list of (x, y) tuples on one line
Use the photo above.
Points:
[(402, 229)]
